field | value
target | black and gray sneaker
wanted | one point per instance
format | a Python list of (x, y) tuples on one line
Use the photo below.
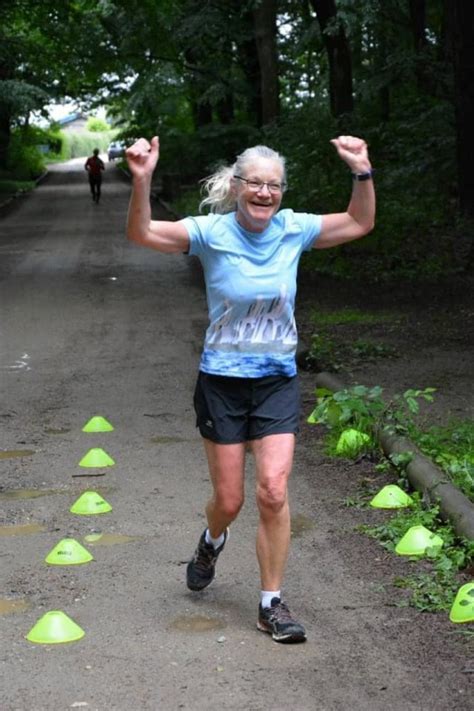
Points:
[(201, 569), (277, 621)]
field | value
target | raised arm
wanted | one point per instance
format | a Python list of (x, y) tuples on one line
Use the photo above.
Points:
[(162, 235), (359, 217)]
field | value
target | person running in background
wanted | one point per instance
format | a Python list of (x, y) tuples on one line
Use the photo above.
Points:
[(247, 391), (94, 166)]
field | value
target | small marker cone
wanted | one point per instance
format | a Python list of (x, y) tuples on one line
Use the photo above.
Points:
[(97, 424), (391, 497), (351, 443), (55, 627), (312, 418), (96, 458), (416, 540), (68, 552), (89, 504), (463, 605)]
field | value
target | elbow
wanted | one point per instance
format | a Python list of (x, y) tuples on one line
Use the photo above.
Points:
[(134, 236), (365, 227), (368, 227)]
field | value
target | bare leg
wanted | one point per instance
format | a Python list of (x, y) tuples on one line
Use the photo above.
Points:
[(226, 469), (274, 460)]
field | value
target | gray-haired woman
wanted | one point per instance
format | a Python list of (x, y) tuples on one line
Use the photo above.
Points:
[(247, 388)]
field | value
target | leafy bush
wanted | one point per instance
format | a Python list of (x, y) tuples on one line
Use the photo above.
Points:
[(9, 187), (77, 144), (25, 161), (97, 125)]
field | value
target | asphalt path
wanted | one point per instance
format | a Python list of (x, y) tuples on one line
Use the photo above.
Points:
[(92, 325)]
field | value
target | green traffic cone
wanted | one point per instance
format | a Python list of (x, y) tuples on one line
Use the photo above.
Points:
[(97, 424), (351, 443), (55, 627), (89, 504), (96, 457), (68, 552), (462, 609), (416, 540), (391, 497)]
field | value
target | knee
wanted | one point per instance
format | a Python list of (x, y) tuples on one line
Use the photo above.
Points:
[(229, 504), (272, 496)]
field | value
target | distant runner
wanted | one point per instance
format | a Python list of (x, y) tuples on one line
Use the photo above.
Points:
[(94, 166)]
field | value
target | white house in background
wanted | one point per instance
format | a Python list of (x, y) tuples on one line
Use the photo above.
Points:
[(74, 121)]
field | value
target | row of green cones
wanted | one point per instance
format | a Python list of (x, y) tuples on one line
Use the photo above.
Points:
[(55, 627)]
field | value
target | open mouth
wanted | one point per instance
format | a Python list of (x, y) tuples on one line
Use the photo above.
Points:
[(261, 204)]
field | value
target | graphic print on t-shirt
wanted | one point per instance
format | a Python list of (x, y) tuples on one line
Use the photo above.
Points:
[(263, 321)]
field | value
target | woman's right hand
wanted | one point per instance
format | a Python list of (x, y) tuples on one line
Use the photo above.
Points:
[(142, 157)]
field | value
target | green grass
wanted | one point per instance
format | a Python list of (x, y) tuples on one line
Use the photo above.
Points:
[(437, 575), (346, 316), (452, 448), (10, 187)]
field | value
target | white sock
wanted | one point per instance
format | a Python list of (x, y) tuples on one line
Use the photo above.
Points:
[(266, 597), (216, 542)]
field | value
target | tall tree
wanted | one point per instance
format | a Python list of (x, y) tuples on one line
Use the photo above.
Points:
[(339, 57), (47, 50), (265, 14), (462, 47)]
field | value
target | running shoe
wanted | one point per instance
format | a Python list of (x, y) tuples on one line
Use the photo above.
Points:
[(277, 621), (201, 569)]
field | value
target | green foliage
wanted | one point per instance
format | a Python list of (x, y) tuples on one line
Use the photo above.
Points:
[(365, 410), (325, 353), (190, 72), (10, 187), (433, 586), (77, 144), (452, 448), (25, 161), (97, 125), (345, 316)]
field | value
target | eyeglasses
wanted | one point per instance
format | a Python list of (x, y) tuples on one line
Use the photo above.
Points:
[(256, 185)]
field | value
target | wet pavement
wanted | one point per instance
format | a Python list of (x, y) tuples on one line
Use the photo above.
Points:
[(92, 325)]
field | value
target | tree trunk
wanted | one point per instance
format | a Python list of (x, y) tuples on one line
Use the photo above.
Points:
[(5, 121), (462, 44), (339, 57), (264, 16), (247, 52), (4, 136)]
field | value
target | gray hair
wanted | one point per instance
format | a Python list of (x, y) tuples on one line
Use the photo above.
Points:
[(220, 197)]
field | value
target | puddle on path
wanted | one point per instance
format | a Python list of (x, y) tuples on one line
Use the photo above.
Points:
[(9, 607), (164, 439), (15, 494), (57, 430), (196, 623), (25, 529), (109, 539), (14, 453), (300, 524)]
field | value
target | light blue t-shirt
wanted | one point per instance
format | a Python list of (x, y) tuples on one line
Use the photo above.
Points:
[(251, 287)]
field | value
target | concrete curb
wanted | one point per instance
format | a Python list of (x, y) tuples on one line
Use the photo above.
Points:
[(422, 473)]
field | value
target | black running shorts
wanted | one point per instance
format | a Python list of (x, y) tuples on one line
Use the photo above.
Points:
[(232, 410)]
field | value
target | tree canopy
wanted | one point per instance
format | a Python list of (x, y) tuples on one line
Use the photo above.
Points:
[(212, 77)]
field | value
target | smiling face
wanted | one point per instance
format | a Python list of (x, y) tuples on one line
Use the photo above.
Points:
[(255, 209)]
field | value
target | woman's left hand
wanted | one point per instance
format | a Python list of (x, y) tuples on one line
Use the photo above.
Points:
[(353, 151)]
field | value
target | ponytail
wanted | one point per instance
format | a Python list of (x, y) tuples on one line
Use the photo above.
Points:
[(219, 198)]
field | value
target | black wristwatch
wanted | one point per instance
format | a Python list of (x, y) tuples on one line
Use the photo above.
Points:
[(363, 176)]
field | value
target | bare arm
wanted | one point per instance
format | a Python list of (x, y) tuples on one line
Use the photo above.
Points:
[(164, 236), (359, 217)]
